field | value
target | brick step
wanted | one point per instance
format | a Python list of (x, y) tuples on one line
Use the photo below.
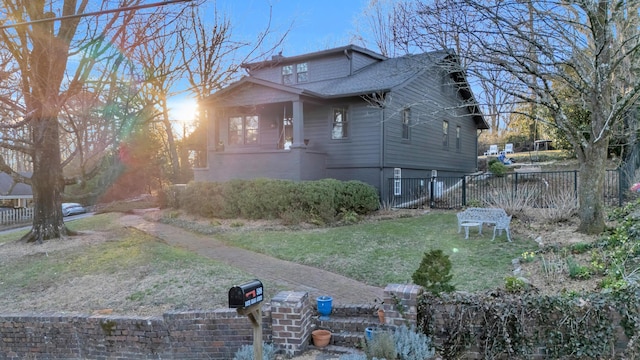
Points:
[(353, 310), (353, 323), (348, 339)]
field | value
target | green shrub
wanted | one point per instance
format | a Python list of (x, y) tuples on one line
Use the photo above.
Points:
[(497, 168), (580, 248), (205, 199), (317, 202), (434, 272), (359, 197), (577, 271), (402, 344), (412, 345), (514, 284), (381, 346)]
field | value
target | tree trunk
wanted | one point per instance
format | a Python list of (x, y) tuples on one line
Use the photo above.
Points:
[(591, 177), (47, 182)]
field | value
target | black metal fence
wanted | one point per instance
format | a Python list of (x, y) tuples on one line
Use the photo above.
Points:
[(537, 189)]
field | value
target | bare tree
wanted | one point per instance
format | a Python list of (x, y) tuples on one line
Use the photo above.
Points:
[(211, 56), (588, 49), (160, 58), (40, 51)]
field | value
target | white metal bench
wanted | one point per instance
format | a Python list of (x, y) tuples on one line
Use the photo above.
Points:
[(492, 216)]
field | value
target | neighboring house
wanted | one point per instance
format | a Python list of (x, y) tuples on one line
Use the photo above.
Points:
[(346, 113), (13, 193)]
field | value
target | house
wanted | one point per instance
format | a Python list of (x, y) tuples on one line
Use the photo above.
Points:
[(346, 113), (13, 193)]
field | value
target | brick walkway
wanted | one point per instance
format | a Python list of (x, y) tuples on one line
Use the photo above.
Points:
[(291, 276)]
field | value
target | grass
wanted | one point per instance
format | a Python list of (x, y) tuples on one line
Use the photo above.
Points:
[(130, 271), (389, 251), (133, 272)]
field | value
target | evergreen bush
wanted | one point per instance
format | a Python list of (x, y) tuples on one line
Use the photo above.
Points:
[(317, 202), (497, 168), (434, 272)]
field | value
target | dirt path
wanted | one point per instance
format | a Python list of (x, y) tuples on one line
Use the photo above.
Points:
[(292, 276)]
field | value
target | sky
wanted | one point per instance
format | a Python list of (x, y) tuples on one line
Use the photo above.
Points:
[(314, 25)]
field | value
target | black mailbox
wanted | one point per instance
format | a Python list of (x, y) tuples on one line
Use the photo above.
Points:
[(245, 295)]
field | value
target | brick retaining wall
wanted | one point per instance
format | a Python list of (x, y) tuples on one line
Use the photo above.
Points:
[(214, 334), (217, 334)]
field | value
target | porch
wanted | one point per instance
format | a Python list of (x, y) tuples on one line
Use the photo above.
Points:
[(292, 164)]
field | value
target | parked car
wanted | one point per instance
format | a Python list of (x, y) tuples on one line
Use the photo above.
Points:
[(69, 209)]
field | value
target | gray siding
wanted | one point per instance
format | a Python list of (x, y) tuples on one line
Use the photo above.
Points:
[(430, 104), (324, 68), (361, 60)]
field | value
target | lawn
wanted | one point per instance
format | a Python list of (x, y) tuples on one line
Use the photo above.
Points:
[(389, 251), (111, 267)]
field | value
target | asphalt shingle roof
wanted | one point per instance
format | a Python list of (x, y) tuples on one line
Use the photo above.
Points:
[(7, 187), (383, 75)]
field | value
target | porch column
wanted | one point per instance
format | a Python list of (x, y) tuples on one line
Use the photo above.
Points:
[(298, 125), (213, 137)]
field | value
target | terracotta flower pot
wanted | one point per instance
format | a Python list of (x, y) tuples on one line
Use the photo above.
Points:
[(381, 316), (321, 337)]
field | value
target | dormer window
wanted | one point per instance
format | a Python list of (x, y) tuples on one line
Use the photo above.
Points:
[(300, 75)]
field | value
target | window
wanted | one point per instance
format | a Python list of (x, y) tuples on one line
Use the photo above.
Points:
[(458, 137), (445, 133), (340, 124), (287, 74), (301, 72), (397, 181), (406, 123), (300, 75), (243, 130)]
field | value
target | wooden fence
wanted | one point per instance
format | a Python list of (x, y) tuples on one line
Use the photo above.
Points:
[(16, 216)]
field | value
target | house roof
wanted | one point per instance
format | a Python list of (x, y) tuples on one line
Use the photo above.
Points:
[(279, 59), (10, 189), (384, 75), (381, 76)]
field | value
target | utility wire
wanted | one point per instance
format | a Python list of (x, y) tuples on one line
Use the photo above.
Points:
[(102, 12)]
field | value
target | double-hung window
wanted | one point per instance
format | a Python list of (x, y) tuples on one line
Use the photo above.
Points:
[(340, 126), (458, 144), (287, 74), (302, 75), (243, 130)]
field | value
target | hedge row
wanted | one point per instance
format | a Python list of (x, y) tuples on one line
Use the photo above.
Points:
[(320, 201)]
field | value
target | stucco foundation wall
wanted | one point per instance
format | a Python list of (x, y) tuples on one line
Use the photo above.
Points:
[(181, 335)]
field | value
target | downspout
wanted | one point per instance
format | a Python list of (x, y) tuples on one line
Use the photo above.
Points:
[(382, 189)]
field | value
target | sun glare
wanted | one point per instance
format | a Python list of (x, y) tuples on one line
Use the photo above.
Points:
[(184, 110)]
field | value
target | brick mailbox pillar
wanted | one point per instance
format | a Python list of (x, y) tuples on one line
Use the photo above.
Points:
[(291, 313)]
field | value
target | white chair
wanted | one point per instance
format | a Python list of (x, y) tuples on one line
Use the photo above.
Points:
[(508, 148), (493, 149), (502, 224)]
